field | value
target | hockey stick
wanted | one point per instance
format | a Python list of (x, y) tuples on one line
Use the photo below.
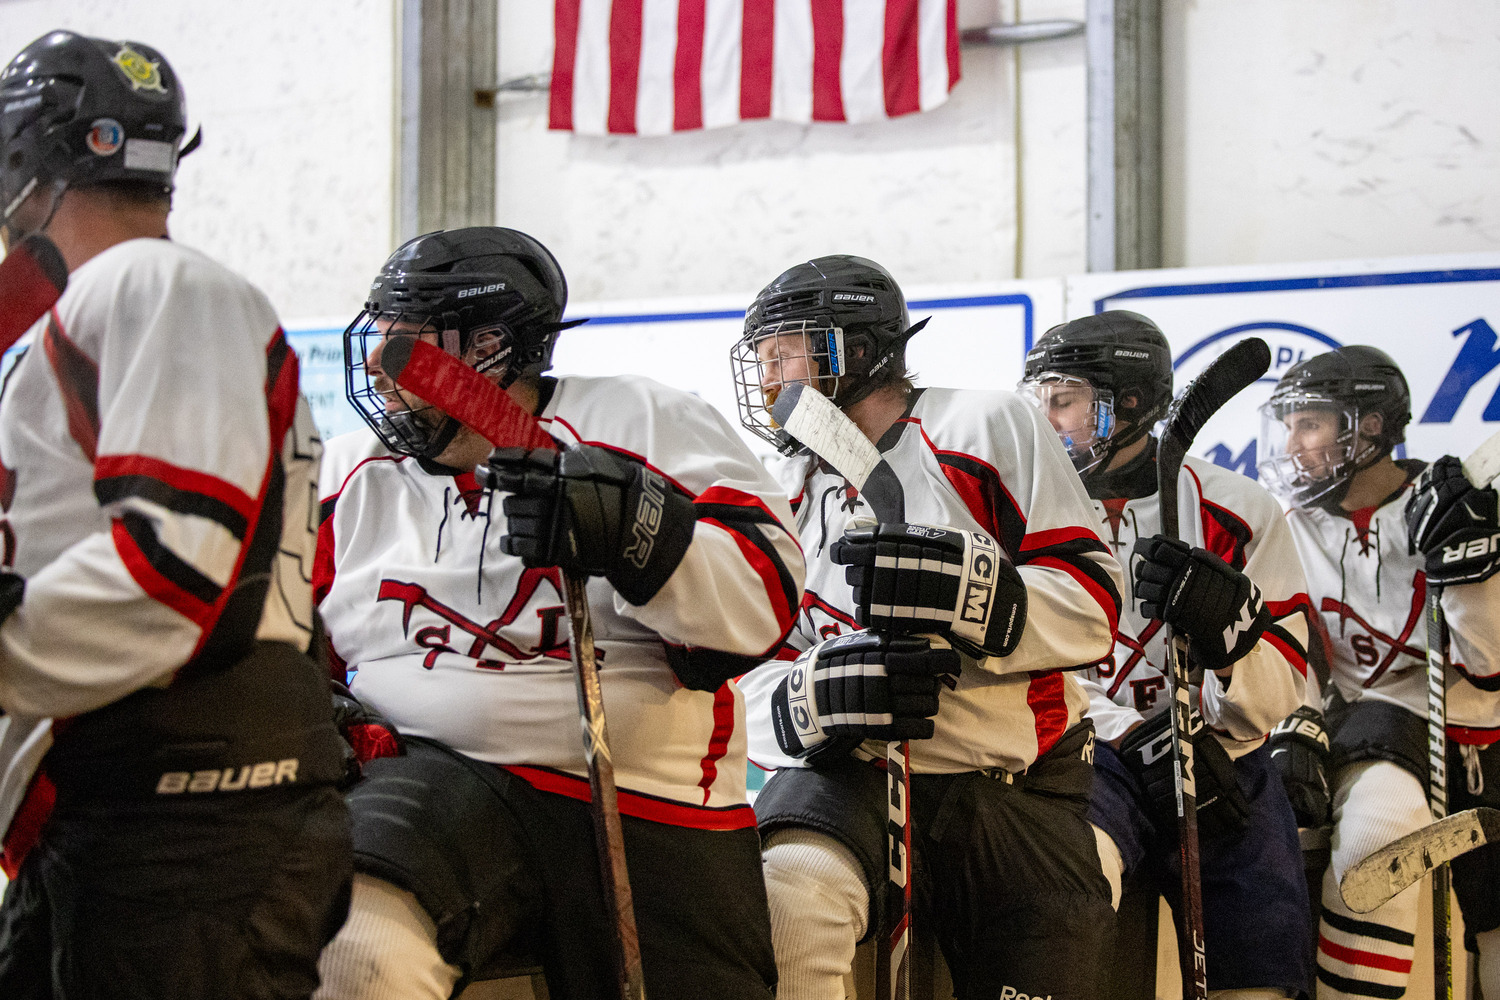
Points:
[(1481, 468), (479, 404), (32, 278), (1225, 376), (1403, 863), (814, 420)]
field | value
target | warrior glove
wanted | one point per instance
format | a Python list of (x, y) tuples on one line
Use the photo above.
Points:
[(1454, 524), (366, 733), (1212, 603), (860, 686), (918, 578), (1222, 806), (1299, 748), (594, 512)]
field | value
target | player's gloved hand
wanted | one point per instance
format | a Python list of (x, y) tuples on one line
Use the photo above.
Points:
[(1147, 752), (1202, 596), (860, 686), (366, 733), (1299, 748), (592, 511), (920, 578), (12, 589), (1454, 524)]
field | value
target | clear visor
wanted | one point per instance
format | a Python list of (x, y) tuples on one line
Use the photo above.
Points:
[(1082, 415), (773, 356), (1307, 446)]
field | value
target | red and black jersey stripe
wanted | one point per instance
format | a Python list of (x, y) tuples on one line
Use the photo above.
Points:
[(78, 380)]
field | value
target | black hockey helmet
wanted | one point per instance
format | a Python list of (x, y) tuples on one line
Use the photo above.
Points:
[(1352, 383), (462, 286), (854, 323), (1123, 359), (76, 111)]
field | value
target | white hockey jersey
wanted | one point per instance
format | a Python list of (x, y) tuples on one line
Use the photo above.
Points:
[(1371, 595), (979, 461), (158, 471), (1236, 519), (454, 640)]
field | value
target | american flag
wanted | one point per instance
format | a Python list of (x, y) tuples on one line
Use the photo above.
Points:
[(650, 67)]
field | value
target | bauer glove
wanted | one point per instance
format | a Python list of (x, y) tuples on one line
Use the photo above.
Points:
[(860, 686), (1454, 524), (1147, 752), (594, 512), (1202, 596), (1299, 748), (919, 578), (366, 733)]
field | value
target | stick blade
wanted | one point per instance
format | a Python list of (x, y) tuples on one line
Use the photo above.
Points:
[(1403, 863), (1483, 465), (1223, 379), (818, 424), (32, 278), (462, 393)]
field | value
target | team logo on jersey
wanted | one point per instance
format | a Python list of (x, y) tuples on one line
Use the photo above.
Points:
[(104, 137), (438, 639), (140, 72)]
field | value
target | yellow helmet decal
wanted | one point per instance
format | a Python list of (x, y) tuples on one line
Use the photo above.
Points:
[(142, 73)]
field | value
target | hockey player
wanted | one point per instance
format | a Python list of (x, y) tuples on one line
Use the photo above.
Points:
[(1327, 436), (1233, 587), (1007, 872), (447, 604), (158, 535)]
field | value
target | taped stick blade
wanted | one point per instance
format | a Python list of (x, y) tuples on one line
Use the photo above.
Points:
[(32, 278), (462, 393), (818, 424), (1483, 464), (1403, 863)]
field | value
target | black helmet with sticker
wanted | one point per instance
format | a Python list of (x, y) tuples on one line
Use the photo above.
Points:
[(76, 111)]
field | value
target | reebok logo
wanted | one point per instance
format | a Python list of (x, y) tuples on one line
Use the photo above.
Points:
[(1475, 549), (466, 293), (1011, 993), (922, 531), (262, 775)]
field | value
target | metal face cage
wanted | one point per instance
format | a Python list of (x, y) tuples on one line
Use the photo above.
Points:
[(770, 357), (404, 423)]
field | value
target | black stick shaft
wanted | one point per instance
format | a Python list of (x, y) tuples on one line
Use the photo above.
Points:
[(1437, 790), (604, 802)]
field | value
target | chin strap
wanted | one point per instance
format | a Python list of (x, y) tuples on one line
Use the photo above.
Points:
[(1134, 480)]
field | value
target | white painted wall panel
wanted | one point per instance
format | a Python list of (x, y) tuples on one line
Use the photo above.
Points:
[(293, 184)]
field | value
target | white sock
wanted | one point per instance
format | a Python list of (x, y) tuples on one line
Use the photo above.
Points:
[(1489, 962), (1111, 862), (819, 909), (1362, 955), (386, 950)]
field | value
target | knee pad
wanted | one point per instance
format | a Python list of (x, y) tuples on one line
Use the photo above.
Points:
[(386, 950)]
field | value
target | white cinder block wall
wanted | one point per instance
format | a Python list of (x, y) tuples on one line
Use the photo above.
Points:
[(1295, 131)]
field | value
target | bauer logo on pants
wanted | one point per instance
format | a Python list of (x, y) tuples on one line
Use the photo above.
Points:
[(262, 775)]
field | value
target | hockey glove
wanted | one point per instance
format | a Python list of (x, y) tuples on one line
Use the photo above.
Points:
[(12, 589), (366, 733), (1454, 524), (919, 578), (860, 686), (1299, 748), (1222, 806), (592, 511), (1202, 596)]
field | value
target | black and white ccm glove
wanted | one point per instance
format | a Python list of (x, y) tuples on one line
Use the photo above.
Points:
[(1147, 752), (860, 686), (1454, 524), (1202, 596), (1299, 748), (919, 578), (591, 511)]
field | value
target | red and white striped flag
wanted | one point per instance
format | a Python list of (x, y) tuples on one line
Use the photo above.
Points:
[(651, 67)]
